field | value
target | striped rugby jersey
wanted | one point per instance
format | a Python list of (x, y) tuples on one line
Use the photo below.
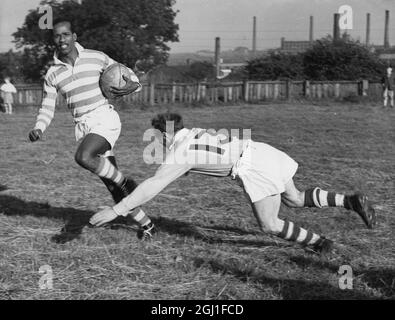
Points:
[(79, 85), (206, 152)]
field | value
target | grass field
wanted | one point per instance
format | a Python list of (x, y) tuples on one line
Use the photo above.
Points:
[(209, 245)]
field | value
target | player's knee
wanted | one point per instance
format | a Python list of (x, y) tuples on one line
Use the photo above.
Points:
[(270, 226), (84, 159), (296, 200)]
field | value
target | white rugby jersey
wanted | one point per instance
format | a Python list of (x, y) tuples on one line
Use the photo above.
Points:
[(205, 151), (79, 85), (192, 150)]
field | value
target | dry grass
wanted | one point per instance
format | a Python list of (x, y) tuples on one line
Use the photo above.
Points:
[(209, 245)]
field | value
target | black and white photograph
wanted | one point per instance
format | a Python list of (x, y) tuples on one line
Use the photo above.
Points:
[(200, 155)]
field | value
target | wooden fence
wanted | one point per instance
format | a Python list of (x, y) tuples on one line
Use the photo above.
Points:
[(227, 92)]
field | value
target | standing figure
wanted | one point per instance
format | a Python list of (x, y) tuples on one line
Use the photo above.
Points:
[(388, 82), (7, 91)]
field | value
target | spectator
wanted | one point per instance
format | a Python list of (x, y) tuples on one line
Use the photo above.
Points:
[(7, 89), (388, 82)]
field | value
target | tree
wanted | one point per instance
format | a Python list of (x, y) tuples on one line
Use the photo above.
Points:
[(126, 30), (344, 59), (201, 71), (10, 62), (275, 66)]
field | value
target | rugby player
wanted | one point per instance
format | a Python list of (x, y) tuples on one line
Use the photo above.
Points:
[(75, 74), (265, 173), (388, 83)]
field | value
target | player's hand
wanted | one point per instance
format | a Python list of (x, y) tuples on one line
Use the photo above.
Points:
[(35, 134), (129, 87), (102, 217)]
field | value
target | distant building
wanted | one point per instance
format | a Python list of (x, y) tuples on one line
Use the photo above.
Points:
[(386, 54), (205, 53), (244, 51), (233, 65), (294, 46)]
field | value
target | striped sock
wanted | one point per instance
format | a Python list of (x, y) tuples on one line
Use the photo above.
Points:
[(292, 232), (316, 197), (108, 171), (116, 193), (140, 217)]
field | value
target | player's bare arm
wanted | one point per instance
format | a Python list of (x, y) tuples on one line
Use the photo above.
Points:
[(46, 112), (174, 167), (144, 192)]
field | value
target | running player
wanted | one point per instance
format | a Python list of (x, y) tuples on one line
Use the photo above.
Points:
[(265, 173), (75, 74)]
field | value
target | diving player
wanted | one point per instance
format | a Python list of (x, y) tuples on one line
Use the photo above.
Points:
[(265, 173)]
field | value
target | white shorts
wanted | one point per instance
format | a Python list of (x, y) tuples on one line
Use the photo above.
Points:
[(263, 170), (103, 121), (387, 93)]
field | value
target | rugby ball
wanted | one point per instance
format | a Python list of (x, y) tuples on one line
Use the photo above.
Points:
[(112, 77)]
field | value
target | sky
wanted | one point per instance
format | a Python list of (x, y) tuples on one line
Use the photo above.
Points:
[(200, 21)]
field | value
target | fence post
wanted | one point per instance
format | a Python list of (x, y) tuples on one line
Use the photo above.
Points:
[(258, 91), (173, 92), (364, 86), (198, 92), (204, 92), (152, 94), (325, 90), (267, 91), (186, 93), (275, 94), (246, 90), (190, 93), (165, 99), (337, 90), (319, 90), (216, 94), (307, 88), (289, 85), (180, 93), (230, 93)]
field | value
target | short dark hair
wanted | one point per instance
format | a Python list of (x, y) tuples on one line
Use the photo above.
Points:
[(63, 21), (159, 121)]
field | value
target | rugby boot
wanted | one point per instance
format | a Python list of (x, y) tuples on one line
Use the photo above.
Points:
[(361, 205)]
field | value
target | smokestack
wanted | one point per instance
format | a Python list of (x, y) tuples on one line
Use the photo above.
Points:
[(254, 36), (367, 28), (336, 28), (217, 56), (311, 37), (386, 34)]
